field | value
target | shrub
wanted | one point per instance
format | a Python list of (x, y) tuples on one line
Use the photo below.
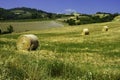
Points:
[(10, 29), (71, 21), (0, 31)]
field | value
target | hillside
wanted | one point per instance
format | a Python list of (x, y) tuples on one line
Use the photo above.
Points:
[(99, 17), (23, 13), (64, 54)]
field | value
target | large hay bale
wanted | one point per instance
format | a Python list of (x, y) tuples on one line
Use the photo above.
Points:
[(85, 31), (105, 28), (27, 42)]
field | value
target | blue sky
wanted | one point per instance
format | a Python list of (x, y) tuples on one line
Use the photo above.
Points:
[(63, 6)]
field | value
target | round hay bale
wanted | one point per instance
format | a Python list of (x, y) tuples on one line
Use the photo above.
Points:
[(27, 42), (85, 31), (105, 28)]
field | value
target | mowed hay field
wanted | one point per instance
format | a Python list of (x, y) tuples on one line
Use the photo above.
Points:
[(64, 54), (28, 26)]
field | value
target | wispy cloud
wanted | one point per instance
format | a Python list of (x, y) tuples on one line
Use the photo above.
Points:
[(70, 10)]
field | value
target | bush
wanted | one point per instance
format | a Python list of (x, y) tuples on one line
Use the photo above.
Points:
[(10, 29), (0, 31), (71, 21)]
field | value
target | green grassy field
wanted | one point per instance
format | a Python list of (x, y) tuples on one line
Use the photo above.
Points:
[(64, 54)]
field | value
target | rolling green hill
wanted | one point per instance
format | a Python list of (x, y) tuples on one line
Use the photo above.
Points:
[(24, 13), (64, 54)]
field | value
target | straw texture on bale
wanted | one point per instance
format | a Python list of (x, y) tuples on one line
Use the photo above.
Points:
[(27, 42), (105, 28), (85, 32)]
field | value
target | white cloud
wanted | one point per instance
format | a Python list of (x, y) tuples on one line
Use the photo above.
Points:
[(70, 10)]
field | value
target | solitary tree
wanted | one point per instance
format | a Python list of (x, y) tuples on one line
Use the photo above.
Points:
[(10, 29)]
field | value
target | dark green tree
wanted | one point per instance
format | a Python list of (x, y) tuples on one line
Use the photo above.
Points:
[(0, 31), (10, 29)]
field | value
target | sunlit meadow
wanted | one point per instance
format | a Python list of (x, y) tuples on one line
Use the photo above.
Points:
[(64, 54)]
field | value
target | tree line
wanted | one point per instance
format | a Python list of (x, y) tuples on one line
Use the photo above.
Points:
[(93, 18)]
